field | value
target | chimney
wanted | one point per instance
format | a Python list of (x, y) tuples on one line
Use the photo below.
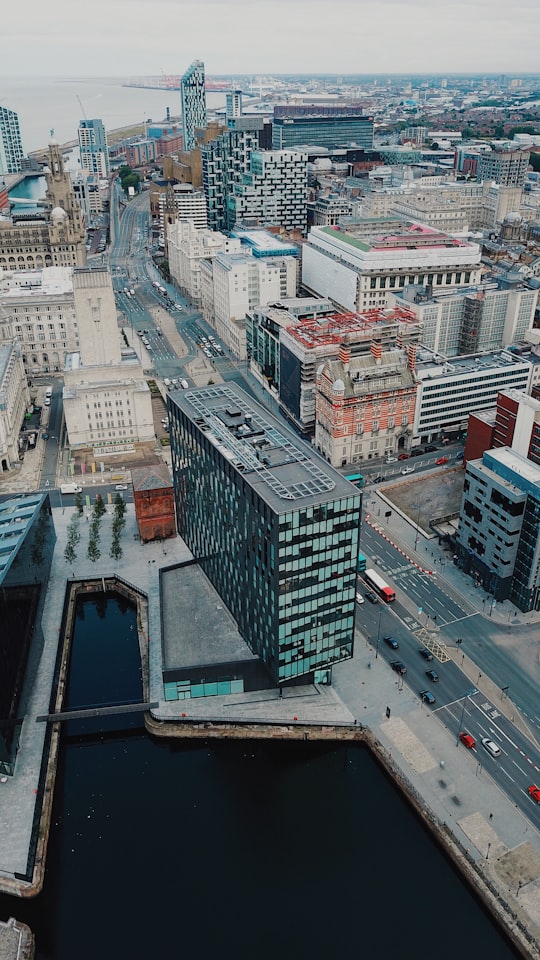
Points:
[(376, 350), (411, 356), (344, 355)]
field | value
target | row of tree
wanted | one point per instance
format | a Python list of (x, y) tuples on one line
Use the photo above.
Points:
[(94, 534)]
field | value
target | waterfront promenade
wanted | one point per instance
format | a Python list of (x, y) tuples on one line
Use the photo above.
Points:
[(419, 751)]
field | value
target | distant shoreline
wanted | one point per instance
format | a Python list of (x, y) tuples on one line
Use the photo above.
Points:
[(113, 136)]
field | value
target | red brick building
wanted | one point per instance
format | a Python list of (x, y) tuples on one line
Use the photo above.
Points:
[(154, 502)]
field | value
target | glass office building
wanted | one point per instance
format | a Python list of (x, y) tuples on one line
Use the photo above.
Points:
[(11, 149), (330, 127), (273, 526), (27, 539)]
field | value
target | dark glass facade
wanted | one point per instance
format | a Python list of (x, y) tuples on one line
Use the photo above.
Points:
[(330, 127), (27, 541), (275, 529)]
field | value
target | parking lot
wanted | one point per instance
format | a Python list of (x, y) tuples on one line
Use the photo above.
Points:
[(427, 497)]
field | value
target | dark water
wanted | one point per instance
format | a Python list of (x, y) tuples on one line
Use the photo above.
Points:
[(259, 851)]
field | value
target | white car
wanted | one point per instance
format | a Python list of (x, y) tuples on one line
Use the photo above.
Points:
[(491, 747), (121, 486), (359, 598), (407, 470)]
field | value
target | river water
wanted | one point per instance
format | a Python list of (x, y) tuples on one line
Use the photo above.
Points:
[(58, 105), (253, 850)]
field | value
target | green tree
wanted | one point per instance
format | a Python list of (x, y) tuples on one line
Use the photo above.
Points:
[(535, 162), (93, 552), (99, 507), (79, 503)]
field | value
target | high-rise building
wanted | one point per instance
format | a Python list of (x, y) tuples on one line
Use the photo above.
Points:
[(11, 151), (274, 528), (193, 96), (321, 125), (272, 192), (225, 160), (233, 102), (505, 164), (93, 147)]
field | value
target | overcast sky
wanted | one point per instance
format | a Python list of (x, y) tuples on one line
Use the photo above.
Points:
[(148, 37)]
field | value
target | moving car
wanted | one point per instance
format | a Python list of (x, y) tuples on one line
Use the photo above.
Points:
[(467, 740), (371, 597), (491, 747), (441, 460), (427, 697), (392, 642), (359, 598), (534, 792), (407, 470), (433, 676), (425, 654), (399, 667)]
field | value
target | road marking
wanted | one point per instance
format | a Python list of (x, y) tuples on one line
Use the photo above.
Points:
[(507, 774), (524, 772)]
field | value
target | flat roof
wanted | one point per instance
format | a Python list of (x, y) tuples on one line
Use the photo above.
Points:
[(336, 327), (283, 470), (411, 236), (198, 629)]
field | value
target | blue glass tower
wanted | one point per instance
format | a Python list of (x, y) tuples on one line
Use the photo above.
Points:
[(193, 95), (273, 526)]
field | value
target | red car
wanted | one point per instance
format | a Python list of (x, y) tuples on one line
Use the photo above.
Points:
[(441, 460), (467, 740), (534, 792), (403, 456)]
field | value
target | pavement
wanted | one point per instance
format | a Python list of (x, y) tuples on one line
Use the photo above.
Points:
[(454, 786)]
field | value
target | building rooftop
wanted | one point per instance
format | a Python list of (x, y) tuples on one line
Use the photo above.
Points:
[(413, 236), (512, 466), (37, 283), (432, 366), (263, 243), (283, 470), (154, 477), (339, 327), (16, 515)]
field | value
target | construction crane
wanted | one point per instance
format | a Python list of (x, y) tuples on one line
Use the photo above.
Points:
[(82, 108)]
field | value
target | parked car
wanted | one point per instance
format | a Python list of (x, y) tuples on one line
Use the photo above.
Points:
[(441, 460), (433, 676), (417, 452), (359, 598), (491, 747), (459, 455), (121, 486), (427, 697), (45, 436), (403, 456), (467, 740), (430, 448), (407, 470), (371, 597), (534, 792), (391, 459), (392, 642), (425, 654), (399, 667)]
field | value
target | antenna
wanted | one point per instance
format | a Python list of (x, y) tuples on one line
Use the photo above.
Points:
[(82, 108)]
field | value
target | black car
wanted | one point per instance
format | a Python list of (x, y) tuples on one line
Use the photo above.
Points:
[(417, 452), (431, 448), (434, 677), (425, 654), (378, 479), (392, 642), (427, 697), (371, 597), (399, 667)]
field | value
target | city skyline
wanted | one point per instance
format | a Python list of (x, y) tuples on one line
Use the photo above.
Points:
[(351, 37)]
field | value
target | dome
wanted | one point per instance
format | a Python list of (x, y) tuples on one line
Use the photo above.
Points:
[(338, 385), (58, 214), (512, 217)]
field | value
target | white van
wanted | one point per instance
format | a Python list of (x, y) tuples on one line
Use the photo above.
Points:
[(70, 488), (48, 392)]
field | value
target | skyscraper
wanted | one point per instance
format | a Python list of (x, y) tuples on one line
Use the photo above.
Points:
[(93, 147), (273, 527), (193, 94), (11, 151)]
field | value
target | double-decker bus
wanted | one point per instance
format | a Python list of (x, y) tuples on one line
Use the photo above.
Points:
[(376, 582), (361, 563)]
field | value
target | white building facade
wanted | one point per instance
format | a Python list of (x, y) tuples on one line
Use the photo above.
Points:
[(37, 309), (187, 247), (360, 274), (14, 402)]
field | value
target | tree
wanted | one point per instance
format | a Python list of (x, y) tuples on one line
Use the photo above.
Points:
[(79, 504), (93, 552), (99, 507), (535, 162)]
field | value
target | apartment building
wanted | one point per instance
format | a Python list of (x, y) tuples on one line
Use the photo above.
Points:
[(272, 192), (37, 309), (188, 247), (11, 148)]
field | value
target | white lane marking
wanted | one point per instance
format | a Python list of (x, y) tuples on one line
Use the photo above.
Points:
[(524, 772), (507, 774)]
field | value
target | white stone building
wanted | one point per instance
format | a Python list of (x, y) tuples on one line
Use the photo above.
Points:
[(37, 309), (14, 402), (187, 247), (359, 274), (107, 401)]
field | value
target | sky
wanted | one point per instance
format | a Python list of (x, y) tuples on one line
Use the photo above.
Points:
[(106, 38)]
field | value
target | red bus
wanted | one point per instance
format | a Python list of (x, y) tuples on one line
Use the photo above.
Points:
[(373, 580)]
